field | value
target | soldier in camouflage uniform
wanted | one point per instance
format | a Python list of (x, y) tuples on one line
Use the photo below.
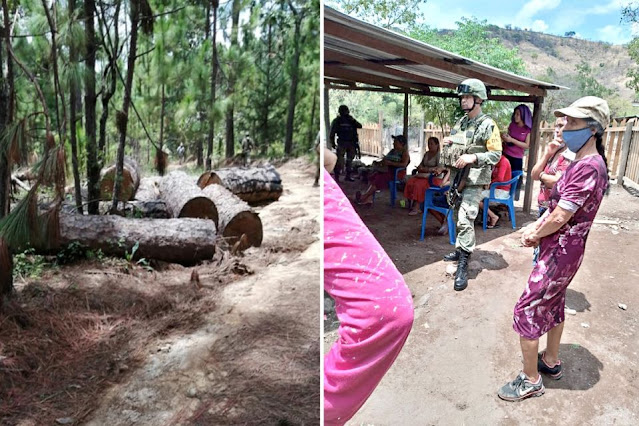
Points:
[(345, 128), (474, 141)]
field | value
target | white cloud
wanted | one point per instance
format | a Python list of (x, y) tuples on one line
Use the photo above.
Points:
[(614, 34), (438, 18), (539, 26), (533, 7), (612, 7)]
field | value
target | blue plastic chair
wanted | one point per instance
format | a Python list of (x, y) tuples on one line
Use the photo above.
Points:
[(392, 186), (430, 204), (510, 201)]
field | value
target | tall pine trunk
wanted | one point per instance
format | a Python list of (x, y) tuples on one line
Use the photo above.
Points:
[(230, 134), (74, 94), (290, 119), (211, 135), (5, 113), (90, 100), (123, 116), (107, 94)]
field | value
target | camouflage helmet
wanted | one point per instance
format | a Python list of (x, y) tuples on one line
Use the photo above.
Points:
[(472, 86)]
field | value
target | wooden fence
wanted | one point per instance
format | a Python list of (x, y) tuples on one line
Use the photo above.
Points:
[(370, 139), (621, 142)]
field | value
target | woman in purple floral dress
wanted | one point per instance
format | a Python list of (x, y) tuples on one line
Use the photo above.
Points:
[(561, 235)]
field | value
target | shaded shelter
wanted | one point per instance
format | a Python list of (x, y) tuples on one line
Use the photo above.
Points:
[(361, 56)]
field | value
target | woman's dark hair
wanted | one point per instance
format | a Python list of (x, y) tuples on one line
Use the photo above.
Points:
[(433, 138), (599, 132)]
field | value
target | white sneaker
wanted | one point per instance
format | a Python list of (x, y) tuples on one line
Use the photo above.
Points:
[(443, 230)]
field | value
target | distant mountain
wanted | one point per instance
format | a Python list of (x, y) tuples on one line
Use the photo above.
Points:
[(553, 58)]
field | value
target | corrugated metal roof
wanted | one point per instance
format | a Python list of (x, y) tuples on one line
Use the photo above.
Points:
[(358, 52)]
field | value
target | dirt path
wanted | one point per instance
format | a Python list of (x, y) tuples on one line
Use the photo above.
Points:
[(462, 347), (239, 348)]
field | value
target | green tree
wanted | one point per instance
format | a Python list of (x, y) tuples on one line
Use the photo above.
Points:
[(471, 39), (386, 13), (588, 84)]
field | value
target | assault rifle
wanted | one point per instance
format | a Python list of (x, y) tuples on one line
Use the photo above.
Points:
[(455, 192)]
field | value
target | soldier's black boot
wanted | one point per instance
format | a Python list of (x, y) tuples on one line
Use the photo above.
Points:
[(452, 256), (349, 177), (461, 276)]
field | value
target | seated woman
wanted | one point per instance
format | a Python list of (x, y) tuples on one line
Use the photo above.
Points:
[(417, 185), (501, 173), (384, 170)]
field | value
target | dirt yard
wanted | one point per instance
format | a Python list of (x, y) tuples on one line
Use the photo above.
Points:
[(105, 341), (462, 347)]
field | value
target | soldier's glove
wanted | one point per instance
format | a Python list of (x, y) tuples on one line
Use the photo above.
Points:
[(358, 152)]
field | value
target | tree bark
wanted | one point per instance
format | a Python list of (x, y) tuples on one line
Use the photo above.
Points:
[(155, 209), (236, 216), (184, 199), (110, 47), (162, 105), (123, 116), (209, 154), (129, 185), (6, 270), (230, 132), (148, 190), (184, 241), (90, 100), (290, 120), (74, 94), (5, 118), (253, 185)]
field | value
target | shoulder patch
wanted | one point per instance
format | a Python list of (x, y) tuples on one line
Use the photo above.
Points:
[(494, 141)]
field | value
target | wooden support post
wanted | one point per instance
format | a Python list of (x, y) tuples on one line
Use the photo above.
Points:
[(406, 115), (532, 152), (381, 133), (625, 150), (327, 117), (422, 142)]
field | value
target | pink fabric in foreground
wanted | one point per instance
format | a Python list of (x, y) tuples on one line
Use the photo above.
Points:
[(372, 302)]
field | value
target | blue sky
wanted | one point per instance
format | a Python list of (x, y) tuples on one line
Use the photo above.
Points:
[(589, 19)]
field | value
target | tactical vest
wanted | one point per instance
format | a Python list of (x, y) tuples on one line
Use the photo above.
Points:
[(465, 140), (346, 131)]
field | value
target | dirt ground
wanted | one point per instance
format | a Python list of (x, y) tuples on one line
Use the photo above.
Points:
[(106, 342), (462, 347)]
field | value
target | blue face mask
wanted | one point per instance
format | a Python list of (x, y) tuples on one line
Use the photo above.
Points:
[(576, 139)]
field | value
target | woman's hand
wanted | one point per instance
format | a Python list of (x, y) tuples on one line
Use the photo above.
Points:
[(529, 237), (553, 147)]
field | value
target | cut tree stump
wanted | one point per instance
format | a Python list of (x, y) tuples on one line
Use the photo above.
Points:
[(184, 241), (130, 181), (253, 184), (236, 216), (184, 198)]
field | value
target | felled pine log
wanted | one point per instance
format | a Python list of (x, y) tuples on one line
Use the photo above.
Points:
[(236, 216), (149, 189), (130, 181), (154, 209), (184, 241), (184, 198), (251, 184)]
